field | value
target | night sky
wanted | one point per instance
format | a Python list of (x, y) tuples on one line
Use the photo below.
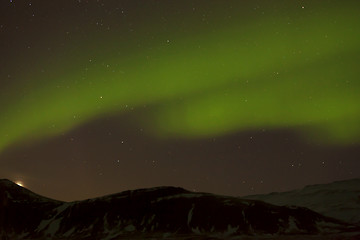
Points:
[(229, 97)]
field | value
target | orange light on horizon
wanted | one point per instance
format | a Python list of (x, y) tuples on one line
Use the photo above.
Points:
[(20, 183)]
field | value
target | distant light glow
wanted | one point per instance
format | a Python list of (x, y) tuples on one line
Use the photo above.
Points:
[(20, 183)]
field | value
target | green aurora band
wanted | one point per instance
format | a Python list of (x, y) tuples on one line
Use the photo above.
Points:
[(265, 74)]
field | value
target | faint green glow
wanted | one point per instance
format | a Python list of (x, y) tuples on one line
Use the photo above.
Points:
[(267, 74)]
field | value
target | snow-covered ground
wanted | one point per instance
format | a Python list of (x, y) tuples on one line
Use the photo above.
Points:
[(352, 236), (340, 199)]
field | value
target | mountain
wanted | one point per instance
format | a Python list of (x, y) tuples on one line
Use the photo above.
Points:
[(339, 200), (163, 212)]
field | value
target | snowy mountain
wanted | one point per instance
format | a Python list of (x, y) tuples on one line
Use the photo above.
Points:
[(163, 212), (339, 200)]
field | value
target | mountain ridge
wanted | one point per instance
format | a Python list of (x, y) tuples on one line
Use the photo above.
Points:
[(339, 199), (160, 212)]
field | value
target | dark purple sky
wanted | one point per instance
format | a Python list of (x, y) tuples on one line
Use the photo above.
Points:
[(47, 46)]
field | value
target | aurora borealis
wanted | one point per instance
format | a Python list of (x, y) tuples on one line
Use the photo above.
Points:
[(178, 72)]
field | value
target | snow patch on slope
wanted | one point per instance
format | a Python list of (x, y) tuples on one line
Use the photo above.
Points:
[(339, 200), (190, 215)]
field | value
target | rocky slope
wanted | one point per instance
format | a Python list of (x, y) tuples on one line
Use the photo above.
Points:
[(164, 212)]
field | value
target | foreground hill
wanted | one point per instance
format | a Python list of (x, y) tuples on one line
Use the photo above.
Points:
[(163, 212), (339, 200)]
